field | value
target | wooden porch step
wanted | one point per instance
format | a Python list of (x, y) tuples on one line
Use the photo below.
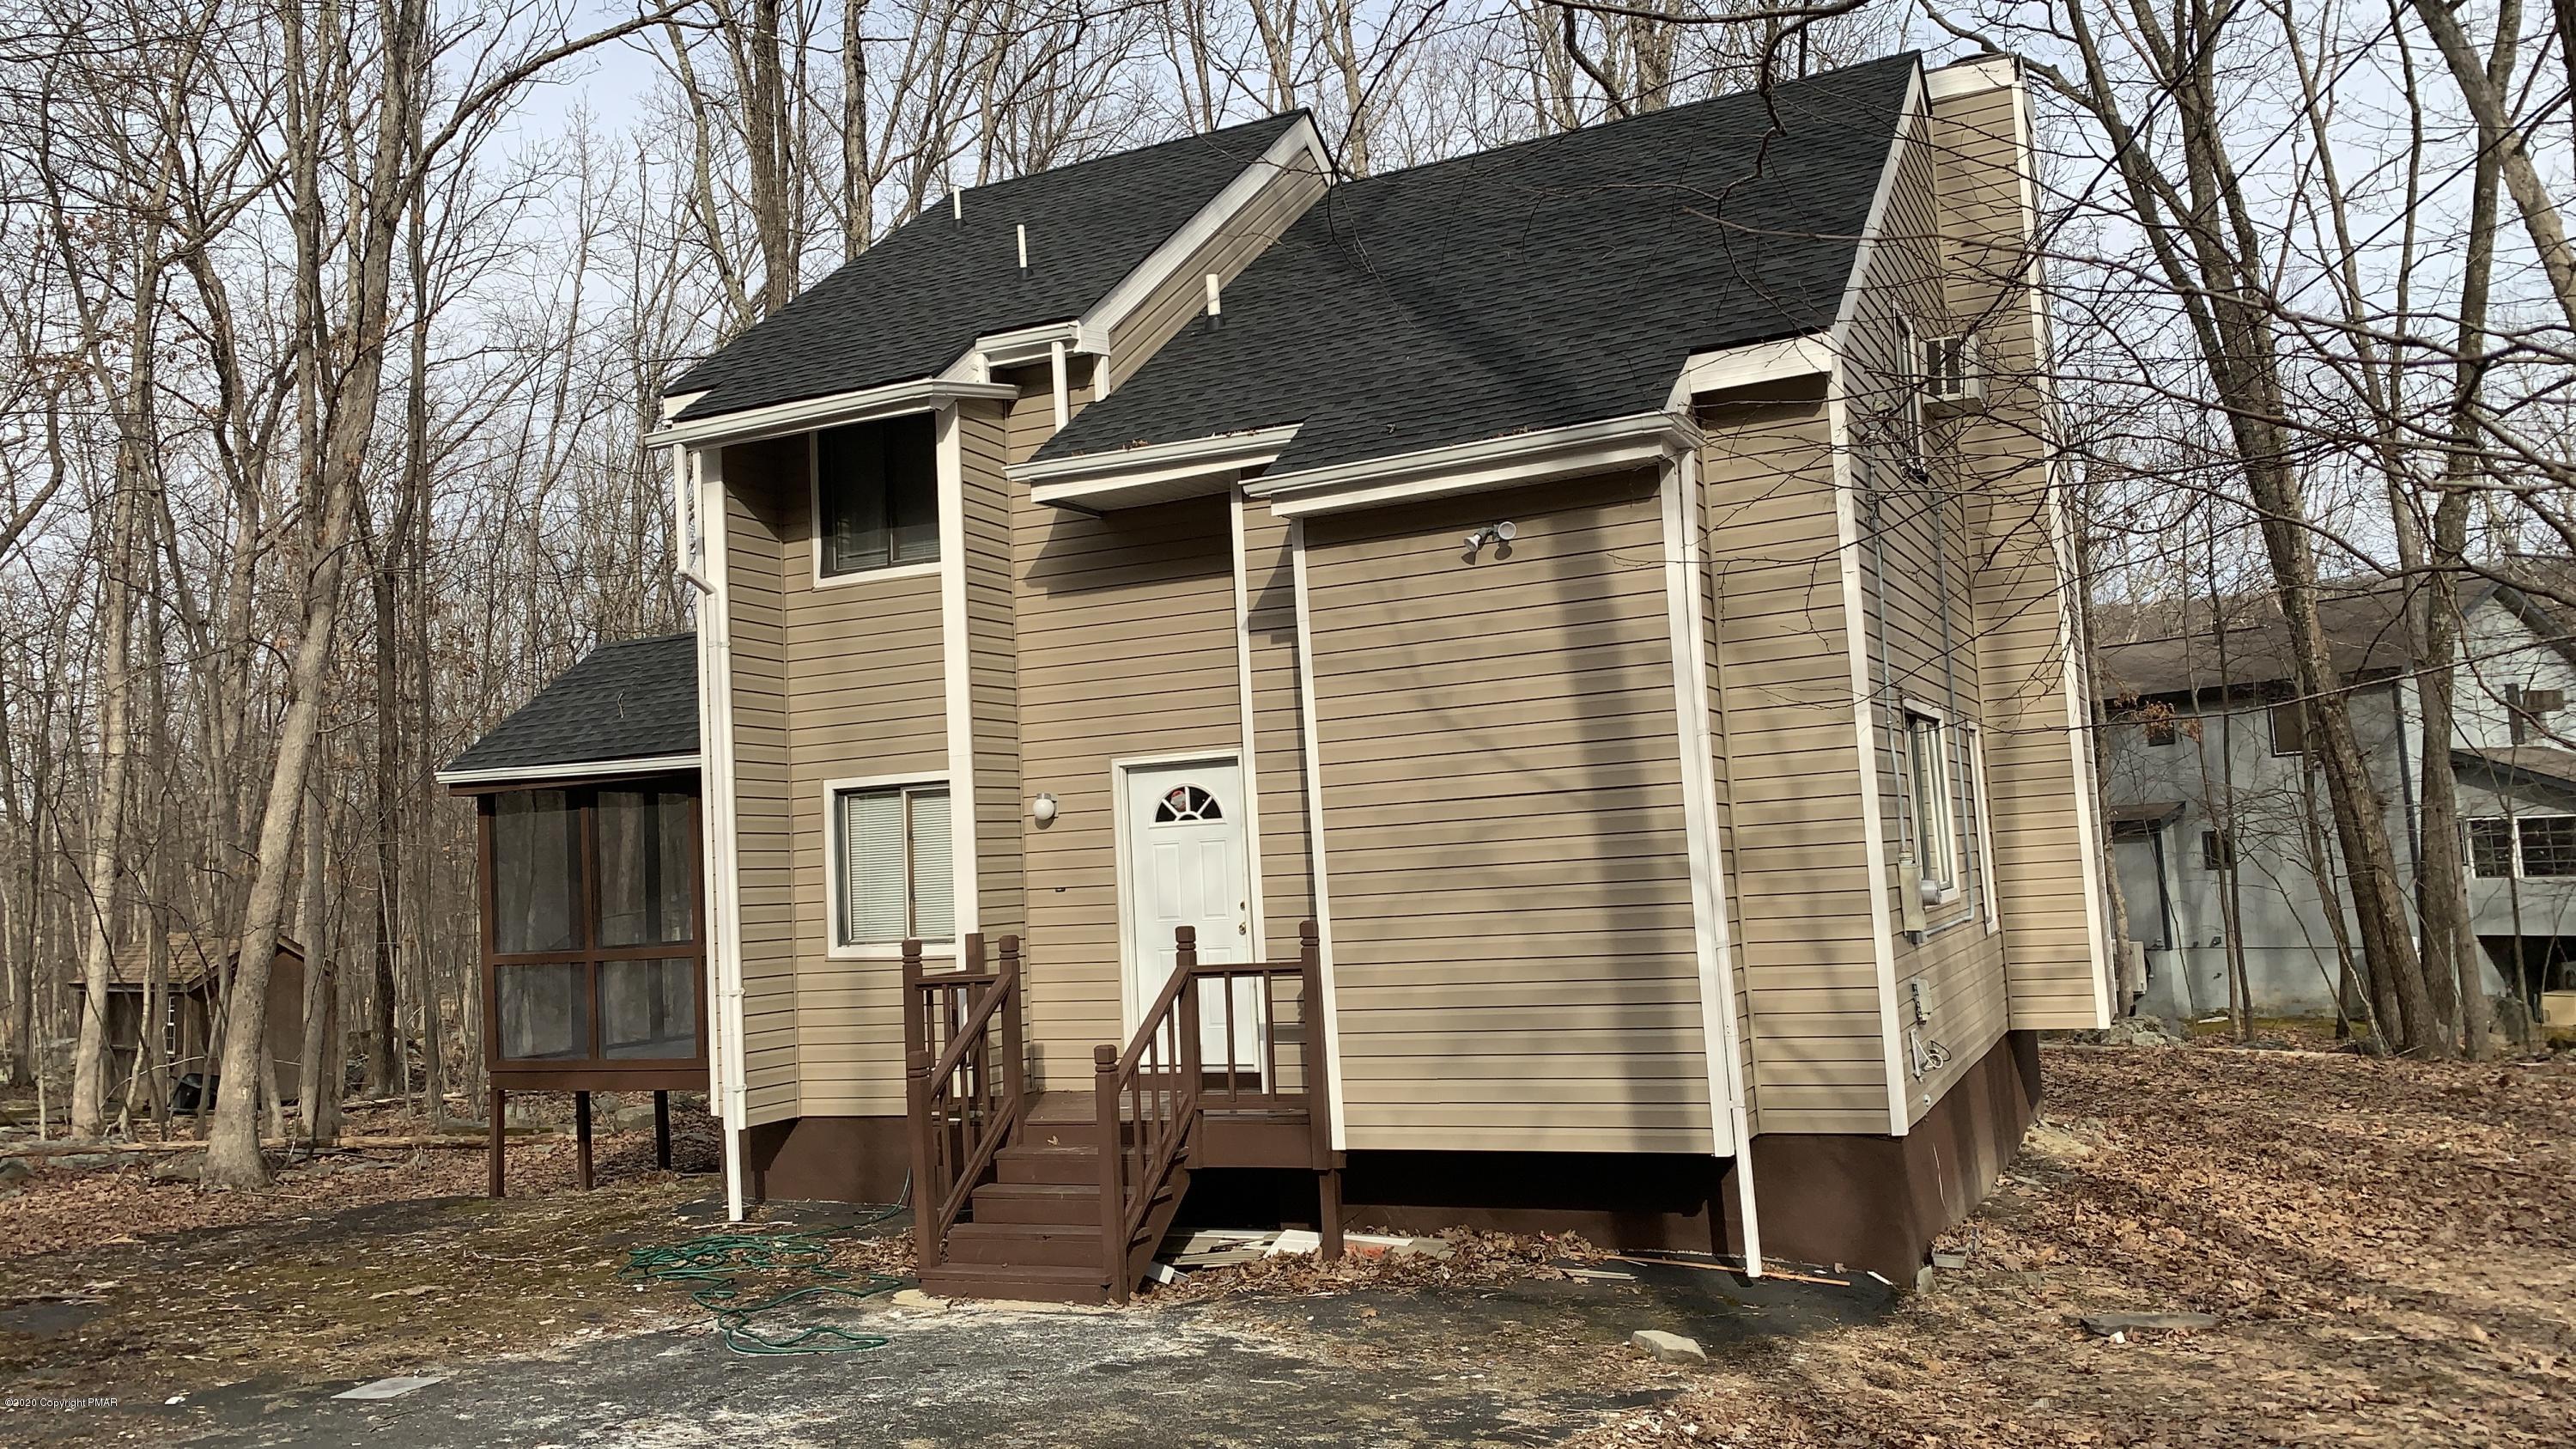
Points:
[(1032, 1164), (1040, 1283), (1069, 1204), (1027, 1245)]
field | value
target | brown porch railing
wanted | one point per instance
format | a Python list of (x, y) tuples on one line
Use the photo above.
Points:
[(1152, 1098), (964, 1080)]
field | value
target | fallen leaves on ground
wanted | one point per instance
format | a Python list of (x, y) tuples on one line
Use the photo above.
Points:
[(2389, 1247)]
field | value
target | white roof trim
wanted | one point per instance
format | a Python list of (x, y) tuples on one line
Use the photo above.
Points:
[(1488, 463), (919, 394), (1222, 208), (575, 770), (1974, 76), (1154, 473), (1908, 116), (1754, 362), (1024, 345)]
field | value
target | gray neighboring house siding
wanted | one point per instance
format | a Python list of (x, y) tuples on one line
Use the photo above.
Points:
[(2165, 800)]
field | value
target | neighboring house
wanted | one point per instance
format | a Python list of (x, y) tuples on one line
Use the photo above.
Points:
[(1496, 692), (2206, 762), (196, 967)]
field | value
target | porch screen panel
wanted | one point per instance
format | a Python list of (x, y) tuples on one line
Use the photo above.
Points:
[(648, 1009), (536, 869), (545, 1012), (645, 857)]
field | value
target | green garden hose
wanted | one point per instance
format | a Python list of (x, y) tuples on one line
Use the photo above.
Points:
[(716, 1262)]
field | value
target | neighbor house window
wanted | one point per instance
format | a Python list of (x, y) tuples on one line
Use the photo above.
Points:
[(2289, 728), (2160, 730), (2527, 711), (896, 872), (876, 494), (2537, 845), (2217, 852), (1928, 755)]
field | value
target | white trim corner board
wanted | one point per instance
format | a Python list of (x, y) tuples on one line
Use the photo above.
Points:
[(1310, 728)]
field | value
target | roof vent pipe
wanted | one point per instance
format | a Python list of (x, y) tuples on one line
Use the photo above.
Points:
[(1024, 246), (1215, 303), (957, 207)]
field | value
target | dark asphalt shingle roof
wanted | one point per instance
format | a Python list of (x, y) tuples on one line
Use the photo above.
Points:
[(1556, 281), (636, 700), (913, 303)]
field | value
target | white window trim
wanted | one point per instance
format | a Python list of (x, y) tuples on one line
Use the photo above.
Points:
[(814, 518), (1954, 884), (833, 947), (1985, 828)]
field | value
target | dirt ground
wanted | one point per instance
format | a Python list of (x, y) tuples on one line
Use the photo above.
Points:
[(2389, 1249)]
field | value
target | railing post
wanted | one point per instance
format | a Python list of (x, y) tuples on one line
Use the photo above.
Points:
[(1113, 1196), (1015, 1064), (916, 1014), (1185, 1092), (927, 1193), (1319, 1099)]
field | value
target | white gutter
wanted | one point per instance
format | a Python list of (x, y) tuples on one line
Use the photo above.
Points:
[(1154, 472), (1488, 463), (573, 770), (920, 394)]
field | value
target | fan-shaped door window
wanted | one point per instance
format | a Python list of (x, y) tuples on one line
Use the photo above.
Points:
[(1184, 803)]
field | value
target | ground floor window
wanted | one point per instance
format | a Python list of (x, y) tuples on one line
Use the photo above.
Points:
[(1935, 820), (897, 867)]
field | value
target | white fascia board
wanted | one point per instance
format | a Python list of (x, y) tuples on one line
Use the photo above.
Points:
[(1908, 116), (1154, 473), (1973, 76), (1158, 266), (1754, 362), (1489, 463), (673, 404), (578, 770), (1025, 345), (916, 395)]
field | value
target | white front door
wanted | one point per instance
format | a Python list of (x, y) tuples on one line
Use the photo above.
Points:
[(1186, 866)]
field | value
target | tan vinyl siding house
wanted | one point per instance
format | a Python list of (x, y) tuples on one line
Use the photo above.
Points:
[(1547, 658), (1498, 744)]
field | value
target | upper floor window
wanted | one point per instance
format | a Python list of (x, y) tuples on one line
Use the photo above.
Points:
[(2289, 728), (876, 494), (2527, 711)]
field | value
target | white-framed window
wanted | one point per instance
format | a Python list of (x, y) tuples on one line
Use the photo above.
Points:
[(893, 865), (1936, 829), (2527, 846), (876, 496), (1981, 828)]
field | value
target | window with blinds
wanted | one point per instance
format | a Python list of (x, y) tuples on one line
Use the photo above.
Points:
[(896, 879), (876, 489)]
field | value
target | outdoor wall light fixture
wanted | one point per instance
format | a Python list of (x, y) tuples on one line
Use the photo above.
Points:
[(1042, 809), (1497, 534)]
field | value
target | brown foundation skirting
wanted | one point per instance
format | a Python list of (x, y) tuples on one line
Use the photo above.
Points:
[(827, 1159), (1861, 1200)]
